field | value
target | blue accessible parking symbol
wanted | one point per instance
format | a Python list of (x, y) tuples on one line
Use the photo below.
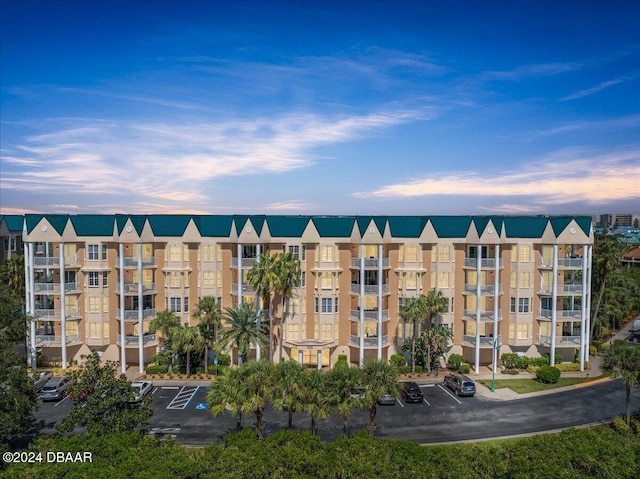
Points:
[(201, 405)]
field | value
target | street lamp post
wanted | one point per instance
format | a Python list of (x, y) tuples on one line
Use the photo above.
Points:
[(496, 348)]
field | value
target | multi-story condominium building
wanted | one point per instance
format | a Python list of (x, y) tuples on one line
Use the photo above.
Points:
[(623, 220), (10, 236), (94, 282), (606, 220)]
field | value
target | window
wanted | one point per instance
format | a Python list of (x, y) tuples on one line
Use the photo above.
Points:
[(519, 331), (370, 251), (514, 279), (444, 253), (94, 304), (411, 253), (175, 305), (473, 252), (303, 279), (93, 252), (206, 252), (525, 279), (326, 280), (294, 305), (326, 253), (105, 279), (105, 304), (410, 280), (547, 281), (293, 331), (175, 280), (327, 305), (174, 252), (104, 251), (470, 328), (186, 304), (324, 331), (304, 252), (95, 331), (522, 305), (295, 251), (524, 254), (443, 279), (317, 302), (208, 279), (94, 279)]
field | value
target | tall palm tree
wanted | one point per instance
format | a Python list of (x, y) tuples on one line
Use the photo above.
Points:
[(228, 391), (209, 317), (434, 303), (289, 274), (342, 382), (12, 274), (433, 343), (315, 397), (258, 380), (623, 361), (288, 388), (263, 277), (378, 378), (187, 339), (413, 311), (165, 321), (241, 330), (607, 252)]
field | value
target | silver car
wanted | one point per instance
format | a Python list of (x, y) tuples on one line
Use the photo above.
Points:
[(40, 378), (387, 399), (141, 389), (55, 388)]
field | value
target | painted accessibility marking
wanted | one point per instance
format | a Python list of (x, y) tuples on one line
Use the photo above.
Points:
[(183, 397), (201, 405)]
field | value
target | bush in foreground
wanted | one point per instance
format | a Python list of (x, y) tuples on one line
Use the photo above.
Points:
[(548, 374)]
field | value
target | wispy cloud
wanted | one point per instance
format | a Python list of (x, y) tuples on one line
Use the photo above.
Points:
[(595, 89), (292, 205), (534, 70), (565, 177)]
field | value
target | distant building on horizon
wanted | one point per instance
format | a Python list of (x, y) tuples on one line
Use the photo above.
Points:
[(606, 220), (623, 220)]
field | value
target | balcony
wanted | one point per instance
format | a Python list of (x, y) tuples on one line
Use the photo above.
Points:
[(247, 263), (246, 289), (54, 314), (54, 262), (485, 263), (131, 289), (47, 340), (470, 314), (485, 342), (369, 289), (485, 290), (371, 342), (369, 263), (563, 289), (134, 341), (131, 262), (371, 315), (132, 314), (46, 288), (562, 314), (563, 263), (561, 341)]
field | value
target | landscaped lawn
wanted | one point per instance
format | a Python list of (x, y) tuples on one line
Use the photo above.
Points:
[(523, 386)]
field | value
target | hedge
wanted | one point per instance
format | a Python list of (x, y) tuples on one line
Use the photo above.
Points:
[(157, 369), (548, 374)]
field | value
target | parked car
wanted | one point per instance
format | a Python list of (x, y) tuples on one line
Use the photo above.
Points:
[(141, 389), (387, 399), (40, 378), (461, 385), (55, 388), (412, 392)]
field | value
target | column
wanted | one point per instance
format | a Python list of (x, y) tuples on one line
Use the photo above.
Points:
[(240, 274), (554, 313), (478, 295), (319, 359), (30, 308), (300, 356), (583, 309), (496, 304), (123, 353), (63, 313), (380, 302), (361, 302), (258, 348), (140, 313), (587, 302)]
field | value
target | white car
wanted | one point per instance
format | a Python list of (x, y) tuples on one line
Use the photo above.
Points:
[(141, 389)]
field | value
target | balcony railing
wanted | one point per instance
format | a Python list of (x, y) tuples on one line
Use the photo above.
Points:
[(134, 341), (132, 314), (563, 263), (54, 314), (572, 314), (484, 289), (370, 342), (369, 289), (369, 262), (246, 289), (485, 263), (54, 261), (369, 315), (484, 315), (567, 341), (246, 262), (485, 342), (131, 262), (46, 288), (53, 340), (132, 288)]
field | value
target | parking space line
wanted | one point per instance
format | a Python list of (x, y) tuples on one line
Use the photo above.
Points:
[(425, 400), (61, 401), (400, 402), (427, 385), (452, 396), (183, 397), (170, 387), (154, 390)]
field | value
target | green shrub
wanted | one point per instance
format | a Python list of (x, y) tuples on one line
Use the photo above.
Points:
[(593, 350), (464, 368), (398, 360), (224, 359), (596, 343), (342, 359), (620, 342), (533, 369), (511, 371), (548, 374), (541, 361), (157, 369), (160, 359), (419, 369), (568, 367), (619, 424), (404, 369), (455, 360), (635, 426)]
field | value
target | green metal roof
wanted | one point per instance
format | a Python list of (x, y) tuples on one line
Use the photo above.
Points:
[(93, 225), (138, 222), (585, 223), (363, 223), (57, 221), (168, 225), (13, 222), (525, 226), (333, 226), (406, 226), (214, 226), (451, 226), (559, 224), (257, 221), (287, 226), (481, 223)]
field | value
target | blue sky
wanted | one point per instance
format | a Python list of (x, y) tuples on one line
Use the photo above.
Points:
[(406, 107)]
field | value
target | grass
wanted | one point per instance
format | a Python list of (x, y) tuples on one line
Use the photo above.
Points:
[(523, 386)]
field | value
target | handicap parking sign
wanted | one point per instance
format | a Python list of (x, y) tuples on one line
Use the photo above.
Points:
[(201, 405)]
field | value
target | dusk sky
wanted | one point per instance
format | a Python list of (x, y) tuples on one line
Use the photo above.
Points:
[(318, 107)]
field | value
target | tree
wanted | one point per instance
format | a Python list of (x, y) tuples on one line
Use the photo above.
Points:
[(288, 391), (186, 340), (229, 391), (12, 274), (289, 273), (258, 379), (343, 383), (105, 401), (209, 316), (378, 378), (434, 303), (165, 321), (316, 402), (623, 361), (432, 345), (413, 311), (241, 330), (607, 252)]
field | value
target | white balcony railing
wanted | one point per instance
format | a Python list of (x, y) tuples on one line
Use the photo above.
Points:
[(570, 341), (484, 315), (369, 315), (563, 263), (54, 261), (53, 340), (246, 289), (134, 341), (132, 288), (369, 289), (485, 263), (246, 262), (369, 262), (484, 289), (370, 342), (131, 262), (573, 314), (484, 341), (132, 314), (54, 314)]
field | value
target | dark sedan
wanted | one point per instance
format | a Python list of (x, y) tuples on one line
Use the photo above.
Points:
[(412, 392), (461, 385)]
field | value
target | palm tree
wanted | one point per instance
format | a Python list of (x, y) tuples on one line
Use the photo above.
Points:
[(12, 274), (209, 316), (434, 303), (623, 361), (165, 321), (289, 387), (289, 273), (606, 259), (413, 311), (258, 380), (241, 330), (342, 382), (315, 397), (378, 378), (228, 391), (433, 343), (187, 339)]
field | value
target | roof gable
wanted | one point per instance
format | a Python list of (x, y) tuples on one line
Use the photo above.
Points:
[(168, 225), (451, 226), (287, 226), (93, 225), (525, 226), (334, 226), (406, 226), (218, 226)]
